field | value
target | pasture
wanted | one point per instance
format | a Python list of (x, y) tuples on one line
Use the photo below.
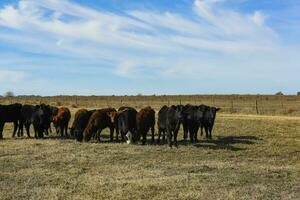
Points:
[(250, 156)]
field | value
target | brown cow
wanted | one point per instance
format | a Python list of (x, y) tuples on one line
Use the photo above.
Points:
[(99, 120), (145, 120), (81, 120), (61, 120), (124, 121)]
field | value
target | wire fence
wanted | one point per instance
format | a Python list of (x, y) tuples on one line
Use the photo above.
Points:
[(245, 104)]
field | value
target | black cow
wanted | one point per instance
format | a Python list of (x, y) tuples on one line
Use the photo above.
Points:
[(145, 121), (38, 116), (10, 113), (126, 124), (162, 123), (192, 120), (208, 120), (47, 115), (173, 121), (53, 113)]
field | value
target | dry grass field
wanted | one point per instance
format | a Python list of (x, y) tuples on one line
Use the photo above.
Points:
[(250, 157)]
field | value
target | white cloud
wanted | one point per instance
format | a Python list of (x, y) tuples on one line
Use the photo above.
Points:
[(125, 68), (258, 18), (8, 76), (10, 17), (139, 40)]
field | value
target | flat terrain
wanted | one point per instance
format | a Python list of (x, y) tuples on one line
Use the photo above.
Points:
[(250, 157)]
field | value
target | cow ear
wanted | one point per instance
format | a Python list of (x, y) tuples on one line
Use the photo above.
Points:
[(218, 109)]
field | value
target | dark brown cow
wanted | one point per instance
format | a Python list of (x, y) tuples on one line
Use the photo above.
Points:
[(99, 120), (145, 120), (77, 116), (61, 120), (80, 122)]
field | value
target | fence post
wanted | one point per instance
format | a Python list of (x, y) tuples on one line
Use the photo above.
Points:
[(256, 106)]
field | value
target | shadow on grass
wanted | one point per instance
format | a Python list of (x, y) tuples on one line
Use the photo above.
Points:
[(218, 143), (227, 142)]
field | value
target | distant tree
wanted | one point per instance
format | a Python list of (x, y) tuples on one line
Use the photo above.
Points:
[(279, 93), (298, 93), (9, 94), (139, 94)]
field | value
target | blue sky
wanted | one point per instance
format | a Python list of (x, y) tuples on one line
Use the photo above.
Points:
[(105, 47)]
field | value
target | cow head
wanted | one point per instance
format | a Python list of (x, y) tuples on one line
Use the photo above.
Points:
[(55, 121), (178, 112), (211, 113), (112, 115)]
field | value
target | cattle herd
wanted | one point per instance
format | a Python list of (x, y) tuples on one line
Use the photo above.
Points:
[(130, 124)]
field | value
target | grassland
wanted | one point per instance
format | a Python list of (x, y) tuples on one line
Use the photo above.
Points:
[(250, 157)]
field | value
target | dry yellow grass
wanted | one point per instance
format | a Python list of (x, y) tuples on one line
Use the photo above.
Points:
[(250, 157)]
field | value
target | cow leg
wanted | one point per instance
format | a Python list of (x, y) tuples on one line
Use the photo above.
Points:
[(27, 127), (210, 132), (20, 130), (159, 134), (117, 134), (196, 134), (41, 132), (185, 132), (164, 135), (191, 135), (123, 136), (144, 138), (152, 135), (169, 138), (111, 134), (206, 131), (129, 137), (175, 137), (184, 135), (201, 130), (1, 130), (94, 135), (98, 135), (46, 132), (66, 129), (15, 129), (35, 132), (61, 130)]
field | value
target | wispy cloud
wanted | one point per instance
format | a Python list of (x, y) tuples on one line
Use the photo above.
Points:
[(130, 43), (9, 76)]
